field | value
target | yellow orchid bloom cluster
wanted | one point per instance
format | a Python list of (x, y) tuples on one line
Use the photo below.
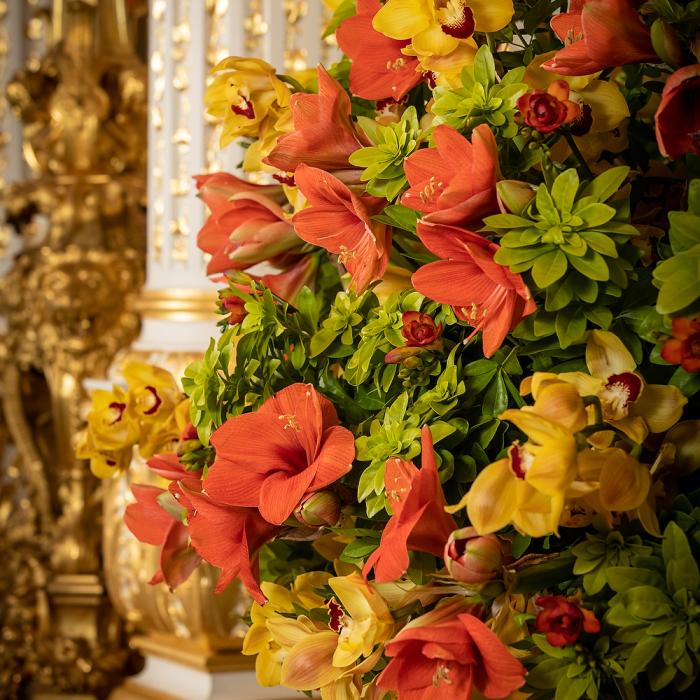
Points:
[(151, 413), (440, 31), (306, 653), (252, 102), (579, 456)]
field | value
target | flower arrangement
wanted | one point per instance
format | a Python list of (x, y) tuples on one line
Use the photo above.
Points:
[(448, 438)]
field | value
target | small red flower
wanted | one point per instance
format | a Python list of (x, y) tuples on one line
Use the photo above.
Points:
[(678, 115), (563, 620), (684, 347), (547, 110), (419, 329)]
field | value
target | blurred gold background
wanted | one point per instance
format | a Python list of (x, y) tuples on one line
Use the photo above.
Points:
[(102, 129)]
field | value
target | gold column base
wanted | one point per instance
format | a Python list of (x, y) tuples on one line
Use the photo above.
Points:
[(193, 654), (77, 600), (134, 691)]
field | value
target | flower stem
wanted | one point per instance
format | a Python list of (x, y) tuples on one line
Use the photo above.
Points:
[(577, 154)]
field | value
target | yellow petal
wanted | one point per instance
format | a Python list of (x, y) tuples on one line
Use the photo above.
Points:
[(660, 406), (561, 403), (553, 468), (538, 514), (287, 632), (342, 689), (624, 482), (309, 664), (402, 19), (493, 497), (359, 598), (608, 106), (432, 41), (256, 639), (633, 426), (606, 354), (538, 428), (268, 667), (491, 15), (584, 383)]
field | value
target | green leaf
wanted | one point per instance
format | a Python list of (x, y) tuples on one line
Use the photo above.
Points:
[(684, 232), (546, 206), (549, 268), (564, 190), (570, 327), (606, 184), (591, 265), (496, 397), (675, 544), (484, 67), (622, 578), (642, 654), (601, 316), (547, 673), (572, 688), (343, 11), (596, 214)]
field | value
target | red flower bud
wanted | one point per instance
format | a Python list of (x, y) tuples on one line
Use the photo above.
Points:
[(684, 347), (547, 111), (419, 329), (473, 558), (563, 620), (318, 509)]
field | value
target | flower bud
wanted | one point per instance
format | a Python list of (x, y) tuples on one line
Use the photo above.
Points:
[(318, 509), (419, 329), (665, 42), (473, 558), (514, 196)]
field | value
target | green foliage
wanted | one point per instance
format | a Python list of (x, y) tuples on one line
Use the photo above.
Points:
[(657, 612), (678, 277), (598, 553), (482, 99), (383, 162)]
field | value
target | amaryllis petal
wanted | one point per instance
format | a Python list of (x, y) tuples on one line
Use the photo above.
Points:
[(419, 522), (178, 559), (147, 520), (324, 134), (280, 494), (379, 69)]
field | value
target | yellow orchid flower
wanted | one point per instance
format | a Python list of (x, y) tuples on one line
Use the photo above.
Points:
[(252, 102), (528, 487), (153, 390), (610, 480), (627, 402), (103, 463), (320, 656), (110, 424), (437, 27)]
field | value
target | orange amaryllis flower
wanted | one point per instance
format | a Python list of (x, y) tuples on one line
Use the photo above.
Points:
[(379, 69), (155, 519), (324, 133), (303, 450), (599, 34), (447, 653), (341, 222), (455, 182), (483, 293), (419, 522), (246, 225), (229, 538), (678, 115)]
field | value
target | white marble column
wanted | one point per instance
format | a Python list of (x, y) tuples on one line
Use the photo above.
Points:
[(186, 39)]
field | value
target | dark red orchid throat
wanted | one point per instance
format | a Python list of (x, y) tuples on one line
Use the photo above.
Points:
[(119, 409), (456, 18), (244, 109), (519, 459), (335, 614), (626, 385), (157, 401)]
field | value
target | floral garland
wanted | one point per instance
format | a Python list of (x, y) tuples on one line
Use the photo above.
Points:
[(448, 440)]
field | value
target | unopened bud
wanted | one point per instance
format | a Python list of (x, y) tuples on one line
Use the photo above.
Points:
[(665, 42), (473, 558), (319, 509), (514, 196)]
